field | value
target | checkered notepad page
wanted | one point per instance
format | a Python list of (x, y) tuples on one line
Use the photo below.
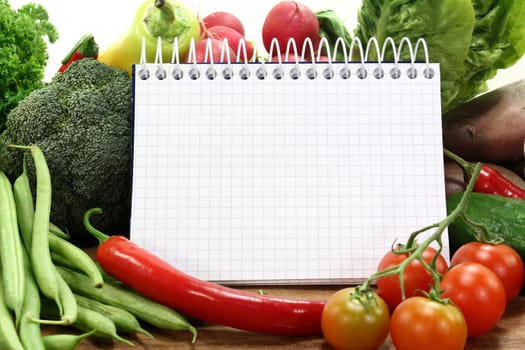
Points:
[(272, 174)]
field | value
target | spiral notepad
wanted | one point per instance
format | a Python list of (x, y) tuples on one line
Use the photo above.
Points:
[(285, 172)]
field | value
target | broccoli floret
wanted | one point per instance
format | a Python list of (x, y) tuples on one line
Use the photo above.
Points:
[(82, 122)]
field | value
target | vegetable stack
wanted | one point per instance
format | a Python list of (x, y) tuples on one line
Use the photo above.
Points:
[(45, 279)]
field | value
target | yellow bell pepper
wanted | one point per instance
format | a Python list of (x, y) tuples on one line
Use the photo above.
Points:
[(167, 19)]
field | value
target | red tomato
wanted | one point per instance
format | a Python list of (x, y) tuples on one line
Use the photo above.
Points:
[(416, 277), (348, 324), (500, 258), (420, 323), (479, 294)]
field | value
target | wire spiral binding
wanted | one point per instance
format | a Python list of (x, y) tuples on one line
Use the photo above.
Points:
[(327, 60)]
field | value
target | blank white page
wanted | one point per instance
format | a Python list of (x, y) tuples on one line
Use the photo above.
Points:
[(280, 180)]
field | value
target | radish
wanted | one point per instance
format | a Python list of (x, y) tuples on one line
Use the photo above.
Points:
[(293, 58), (234, 38), (202, 52), (222, 18), (290, 19), (286, 58)]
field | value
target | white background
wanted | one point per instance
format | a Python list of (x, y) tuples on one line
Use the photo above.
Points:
[(107, 20)]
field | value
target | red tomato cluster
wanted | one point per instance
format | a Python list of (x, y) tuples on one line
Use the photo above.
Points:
[(473, 293), (483, 279), (416, 278)]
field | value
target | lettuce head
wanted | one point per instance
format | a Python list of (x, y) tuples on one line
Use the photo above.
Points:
[(470, 39)]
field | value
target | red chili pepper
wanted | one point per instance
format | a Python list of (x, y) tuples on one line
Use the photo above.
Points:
[(210, 302), (84, 48), (489, 179)]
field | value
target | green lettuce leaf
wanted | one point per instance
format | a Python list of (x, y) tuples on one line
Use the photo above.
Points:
[(498, 41), (332, 28), (446, 26), (471, 39)]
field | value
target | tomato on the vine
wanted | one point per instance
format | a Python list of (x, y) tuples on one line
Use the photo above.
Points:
[(355, 322), (416, 277), (421, 323), (479, 294), (501, 258)]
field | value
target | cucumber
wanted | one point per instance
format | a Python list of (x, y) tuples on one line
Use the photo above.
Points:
[(503, 217)]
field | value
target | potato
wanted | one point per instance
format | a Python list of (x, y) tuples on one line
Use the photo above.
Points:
[(490, 127), (454, 178)]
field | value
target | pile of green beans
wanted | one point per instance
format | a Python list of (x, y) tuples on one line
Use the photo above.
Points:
[(45, 279)]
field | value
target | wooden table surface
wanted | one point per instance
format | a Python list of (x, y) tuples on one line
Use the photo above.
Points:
[(509, 334)]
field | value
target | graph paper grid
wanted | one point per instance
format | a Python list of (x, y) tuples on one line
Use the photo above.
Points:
[(290, 179)]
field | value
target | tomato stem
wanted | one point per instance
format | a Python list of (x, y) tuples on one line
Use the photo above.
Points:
[(365, 297), (416, 250)]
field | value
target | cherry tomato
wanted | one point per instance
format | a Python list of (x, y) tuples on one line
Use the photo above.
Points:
[(421, 323), (351, 324), (416, 277), (500, 258), (479, 294)]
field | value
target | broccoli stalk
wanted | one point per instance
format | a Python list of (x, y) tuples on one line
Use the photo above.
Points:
[(81, 120)]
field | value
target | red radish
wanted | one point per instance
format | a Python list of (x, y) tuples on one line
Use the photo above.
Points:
[(291, 58), (323, 59), (222, 18), (290, 19), (234, 38), (202, 52)]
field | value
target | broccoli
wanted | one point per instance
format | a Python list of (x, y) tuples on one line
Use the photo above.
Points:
[(81, 120), (23, 53)]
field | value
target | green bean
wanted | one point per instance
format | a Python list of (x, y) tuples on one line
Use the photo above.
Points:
[(40, 255), (69, 306), (57, 231), (25, 208), (143, 308), (29, 331), (104, 327), (107, 277), (88, 320), (8, 334), (11, 249), (61, 261), (124, 320), (65, 341), (26, 214), (78, 257), (68, 301)]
